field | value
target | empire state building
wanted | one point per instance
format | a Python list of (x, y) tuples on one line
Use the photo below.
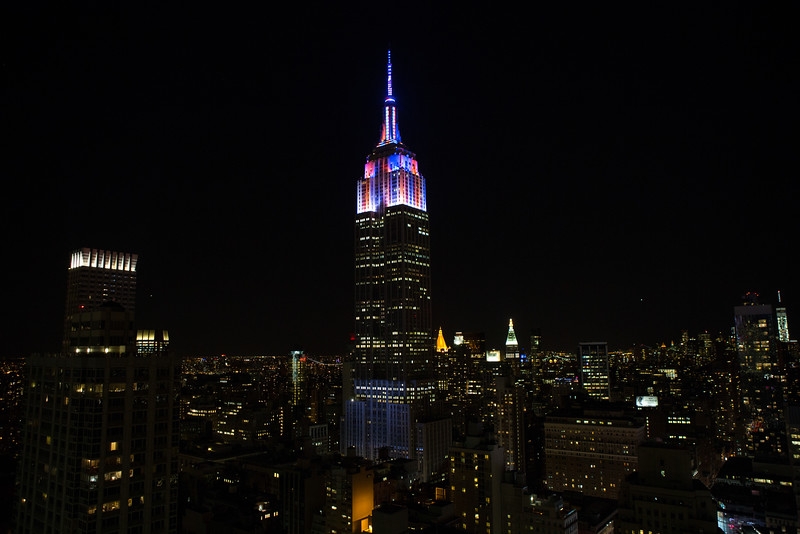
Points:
[(393, 387)]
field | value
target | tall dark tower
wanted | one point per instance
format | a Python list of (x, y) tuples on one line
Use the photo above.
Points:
[(393, 357), (763, 379)]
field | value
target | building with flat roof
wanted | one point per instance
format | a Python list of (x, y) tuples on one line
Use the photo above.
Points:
[(591, 451)]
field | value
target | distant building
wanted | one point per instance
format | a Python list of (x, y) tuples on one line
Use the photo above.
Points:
[(762, 428), (509, 426), (593, 369), (300, 405), (453, 375), (783, 321), (591, 451), (512, 352)]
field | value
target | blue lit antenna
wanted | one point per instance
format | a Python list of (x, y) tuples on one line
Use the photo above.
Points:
[(390, 132), (389, 79)]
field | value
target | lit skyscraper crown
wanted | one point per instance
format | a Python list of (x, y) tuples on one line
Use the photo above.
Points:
[(511, 339), (391, 174)]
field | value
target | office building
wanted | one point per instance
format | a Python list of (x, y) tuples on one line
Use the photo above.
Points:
[(533, 368), (454, 379), (299, 400), (100, 438), (512, 355), (471, 348), (509, 422), (783, 321), (476, 474), (593, 368), (591, 451), (393, 384), (762, 428), (94, 278)]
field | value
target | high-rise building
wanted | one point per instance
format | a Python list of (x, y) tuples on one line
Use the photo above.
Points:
[(473, 346), (783, 322), (512, 350), (593, 367), (299, 393), (509, 421), (100, 438), (534, 366), (762, 378), (393, 381), (454, 379), (476, 474), (94, 278)]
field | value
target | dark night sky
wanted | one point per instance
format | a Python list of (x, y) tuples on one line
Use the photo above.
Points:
[(617, 172)]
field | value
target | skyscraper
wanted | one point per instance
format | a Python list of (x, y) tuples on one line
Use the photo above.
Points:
[(299, 395), (100, 436), (762, 378), (783, 322), (593, 367), (393, 358), (512, 350), (94, 278)]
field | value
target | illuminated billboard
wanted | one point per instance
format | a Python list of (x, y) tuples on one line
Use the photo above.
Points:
[(646, 401)]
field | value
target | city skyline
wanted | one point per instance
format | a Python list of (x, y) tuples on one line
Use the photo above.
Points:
[(612, 174)]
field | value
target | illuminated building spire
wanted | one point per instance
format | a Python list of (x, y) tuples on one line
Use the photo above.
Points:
[(389, 131), (512, 348), (511, 339), (441, 346)]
